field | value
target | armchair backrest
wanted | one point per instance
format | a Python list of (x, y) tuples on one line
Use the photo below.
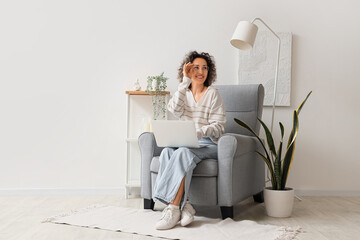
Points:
[(244, 102)]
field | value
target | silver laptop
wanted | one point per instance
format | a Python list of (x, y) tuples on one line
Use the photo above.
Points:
[(175, 133)]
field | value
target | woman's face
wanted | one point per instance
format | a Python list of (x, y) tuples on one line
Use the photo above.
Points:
[(199, 71)]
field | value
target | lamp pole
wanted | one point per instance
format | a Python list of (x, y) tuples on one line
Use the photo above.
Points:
[(276, 75), (276, 70), (244, 39)]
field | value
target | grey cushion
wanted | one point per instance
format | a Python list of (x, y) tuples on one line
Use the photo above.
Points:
[(206, 168)]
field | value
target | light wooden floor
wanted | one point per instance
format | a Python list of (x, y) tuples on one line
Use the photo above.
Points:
[(320, 217)]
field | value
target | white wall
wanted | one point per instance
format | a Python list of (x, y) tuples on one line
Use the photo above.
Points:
[(64, 67)]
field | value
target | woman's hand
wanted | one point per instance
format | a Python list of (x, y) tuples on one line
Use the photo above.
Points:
[(187, 69)]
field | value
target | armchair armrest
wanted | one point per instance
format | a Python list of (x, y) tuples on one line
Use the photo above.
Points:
[(241, 171), (148, 150), (231, 141)]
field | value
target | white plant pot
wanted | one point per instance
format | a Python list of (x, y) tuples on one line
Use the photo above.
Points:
[(279, 203)]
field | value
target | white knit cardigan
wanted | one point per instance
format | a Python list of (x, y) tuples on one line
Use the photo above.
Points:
[(208, 113)]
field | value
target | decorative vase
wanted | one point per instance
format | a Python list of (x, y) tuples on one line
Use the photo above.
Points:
[(137, 86), (278, 203), (154, 84)]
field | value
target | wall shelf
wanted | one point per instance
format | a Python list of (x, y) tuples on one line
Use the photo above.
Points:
[(130, 140)]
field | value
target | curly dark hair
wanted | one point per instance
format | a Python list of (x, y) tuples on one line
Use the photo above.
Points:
[(211, 77)]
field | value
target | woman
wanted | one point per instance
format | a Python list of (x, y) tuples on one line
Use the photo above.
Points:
[(198, 101)]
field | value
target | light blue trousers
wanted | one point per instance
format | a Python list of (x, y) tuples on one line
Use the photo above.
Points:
[(175, 163)]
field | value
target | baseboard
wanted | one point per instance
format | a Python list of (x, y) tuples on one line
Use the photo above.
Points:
[(327, 193), (63, 191)]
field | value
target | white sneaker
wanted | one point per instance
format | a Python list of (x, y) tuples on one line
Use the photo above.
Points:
[(169, 219), (187, 214)]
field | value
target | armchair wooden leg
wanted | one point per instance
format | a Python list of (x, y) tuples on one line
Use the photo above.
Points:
[(149, 204), (259, 197), (227, 212)]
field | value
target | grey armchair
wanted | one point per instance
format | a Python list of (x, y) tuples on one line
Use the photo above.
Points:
[(238, 173)]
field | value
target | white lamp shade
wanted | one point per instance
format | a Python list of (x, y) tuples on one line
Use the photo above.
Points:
[(244, 35)]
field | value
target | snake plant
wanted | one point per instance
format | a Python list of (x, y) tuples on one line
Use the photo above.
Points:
[(279, 167)]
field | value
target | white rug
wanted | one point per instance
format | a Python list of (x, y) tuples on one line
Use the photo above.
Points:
[(142, 222)]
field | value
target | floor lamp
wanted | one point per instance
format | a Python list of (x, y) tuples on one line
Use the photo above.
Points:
[(244, 38)]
